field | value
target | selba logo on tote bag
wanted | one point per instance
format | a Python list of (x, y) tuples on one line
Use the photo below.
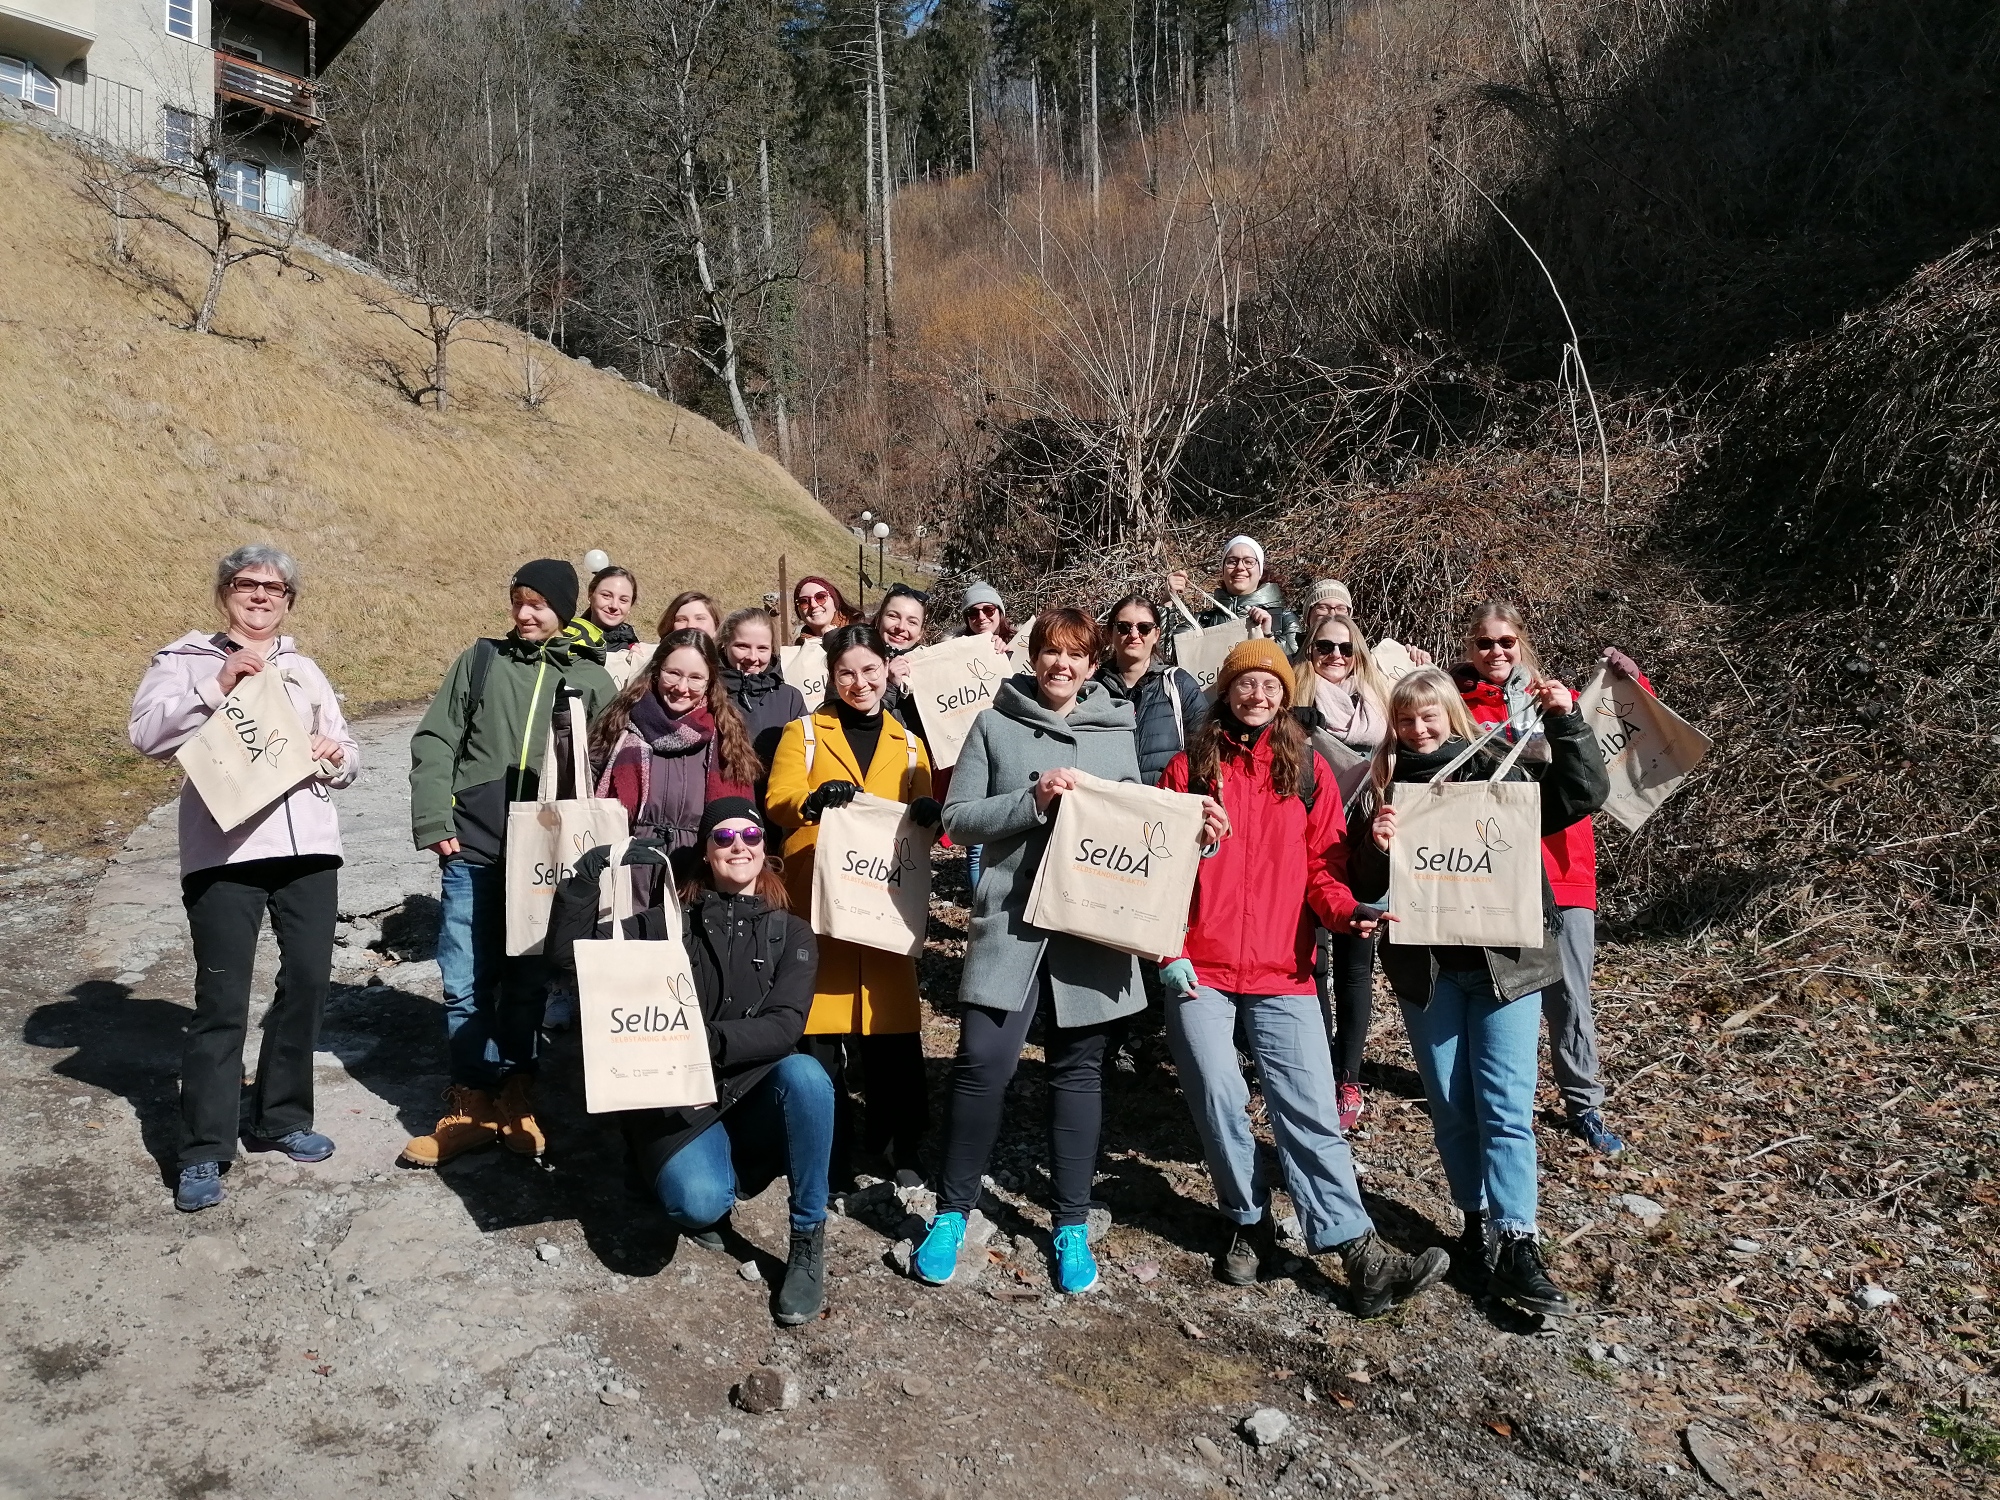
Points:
[(1119, 867), (252, 751), (645, 1044), (1648, 749), (1465, 866), (872, 876)]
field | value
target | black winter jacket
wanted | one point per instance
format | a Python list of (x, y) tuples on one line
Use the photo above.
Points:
[(1155, 735), (1267, 597), (753, 971), (1574, 785), (768, 703)]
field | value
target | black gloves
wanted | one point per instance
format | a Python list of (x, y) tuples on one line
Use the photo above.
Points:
[(926, 813), (828, 794)]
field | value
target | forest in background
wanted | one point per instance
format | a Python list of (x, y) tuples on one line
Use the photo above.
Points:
[(1670, 318)]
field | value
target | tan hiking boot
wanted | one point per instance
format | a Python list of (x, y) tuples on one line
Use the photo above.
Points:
[(469, 1124), (519, 1132)]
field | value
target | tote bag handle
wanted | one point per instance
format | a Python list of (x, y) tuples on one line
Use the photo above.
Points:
[(619, 893)]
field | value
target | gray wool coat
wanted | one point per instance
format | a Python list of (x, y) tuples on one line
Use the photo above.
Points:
[(992, 802)]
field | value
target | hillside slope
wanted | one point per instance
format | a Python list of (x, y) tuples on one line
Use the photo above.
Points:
[(133, 454)]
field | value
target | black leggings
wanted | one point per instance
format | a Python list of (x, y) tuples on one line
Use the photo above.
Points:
[(989, 1049), (1346, 967), (894, 1092)]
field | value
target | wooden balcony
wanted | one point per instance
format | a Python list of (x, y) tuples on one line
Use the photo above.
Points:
[(241, 81)]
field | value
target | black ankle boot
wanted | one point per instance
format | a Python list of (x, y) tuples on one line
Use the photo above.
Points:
[(1378, 1276), (1252, 1247), (1521, 1280), (803, 1292)]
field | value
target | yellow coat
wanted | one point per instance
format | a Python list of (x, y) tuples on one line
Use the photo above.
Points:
[(859, 989)]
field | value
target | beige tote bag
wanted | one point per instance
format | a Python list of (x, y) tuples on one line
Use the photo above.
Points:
[(1202, 649), (546, 838), (644, 1043), (1119, 867), (1648, 749), (1393, 659), (804, 667), (953, 683), (252, 751), (1465, 866), (872, 876)]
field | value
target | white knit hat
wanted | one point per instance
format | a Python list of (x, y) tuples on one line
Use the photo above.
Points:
[(1244, 541), (1331, 591)]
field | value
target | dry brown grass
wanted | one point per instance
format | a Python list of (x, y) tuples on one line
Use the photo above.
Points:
[(133, 454)]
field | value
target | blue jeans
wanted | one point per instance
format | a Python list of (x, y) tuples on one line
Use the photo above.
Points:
[(782, 1127), (1478, 1057), (492, 1003), (1287, 1037)]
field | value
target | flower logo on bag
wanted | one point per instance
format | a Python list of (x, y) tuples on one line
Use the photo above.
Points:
[(1488, 832)]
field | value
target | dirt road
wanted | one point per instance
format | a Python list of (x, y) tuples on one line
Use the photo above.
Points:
[(503, 1329)]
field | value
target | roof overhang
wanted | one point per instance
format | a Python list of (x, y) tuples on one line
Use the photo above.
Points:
[(51, 34)]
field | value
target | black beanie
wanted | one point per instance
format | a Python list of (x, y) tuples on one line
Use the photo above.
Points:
[(554, 580), (723, 810)]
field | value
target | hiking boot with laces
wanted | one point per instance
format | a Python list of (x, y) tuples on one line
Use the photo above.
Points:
[(1588, 1126), (1378, 1277), (469, 1124), (803, 1292), (1348, 1096), (1520, 1279), (519, 1132), (1468, 1256), (1250, 1245), (200, 1187), (936, 1260), (300, 1145), (1076, 1267)]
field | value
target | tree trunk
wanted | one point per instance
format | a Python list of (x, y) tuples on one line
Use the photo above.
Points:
[(1096, 147), (218, 264), (442, 323), (888, 185)]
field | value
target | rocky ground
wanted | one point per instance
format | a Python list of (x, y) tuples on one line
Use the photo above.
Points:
[(1786, 1279)]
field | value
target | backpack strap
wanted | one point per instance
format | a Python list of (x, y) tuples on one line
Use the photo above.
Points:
[(1309, 779), (483, 651), (1174, 699)]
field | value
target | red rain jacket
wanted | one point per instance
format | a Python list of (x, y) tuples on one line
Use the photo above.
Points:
[(1279, 875)]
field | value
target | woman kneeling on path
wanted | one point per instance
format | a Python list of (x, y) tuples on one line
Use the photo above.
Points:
[(1474, 1014), (865, 1001), (753, 965), (284, 860), (1280, 853), (1022, 754)]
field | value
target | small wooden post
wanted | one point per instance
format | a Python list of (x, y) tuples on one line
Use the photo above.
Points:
[(784, 598)]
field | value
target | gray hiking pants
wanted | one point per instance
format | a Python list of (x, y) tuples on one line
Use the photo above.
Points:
[(1572, 1023)]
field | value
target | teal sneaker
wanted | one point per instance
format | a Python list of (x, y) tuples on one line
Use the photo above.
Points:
[(936, 1260), (1076, 1267)]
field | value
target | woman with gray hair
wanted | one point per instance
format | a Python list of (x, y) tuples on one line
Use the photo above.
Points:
[(284, 860)]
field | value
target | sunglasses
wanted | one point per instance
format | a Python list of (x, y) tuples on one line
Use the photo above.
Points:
[(1333, 648), (983, 610), (1497, 642), (1140, 628), (814, 600), (247, 586), (722, 838)]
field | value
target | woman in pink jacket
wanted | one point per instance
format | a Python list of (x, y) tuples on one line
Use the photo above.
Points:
[(284, 860)]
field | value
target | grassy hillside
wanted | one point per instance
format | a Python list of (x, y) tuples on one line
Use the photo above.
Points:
[(133, 454)]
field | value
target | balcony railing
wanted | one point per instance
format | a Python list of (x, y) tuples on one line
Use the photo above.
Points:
[(249, 82)]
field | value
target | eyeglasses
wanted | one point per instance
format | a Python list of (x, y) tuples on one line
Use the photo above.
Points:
[(1239, 561), (1140, 628), (244, 587), (1497, 642), (1333, 648), (813, 600), (722, 838)]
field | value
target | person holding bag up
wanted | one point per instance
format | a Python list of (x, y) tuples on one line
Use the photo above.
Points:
[(865, 999), (753, 962), (1499, 664), (284, 860), (1278, 850), (1021, 756), (478, 749), (1474, 1014), (1243, 593)]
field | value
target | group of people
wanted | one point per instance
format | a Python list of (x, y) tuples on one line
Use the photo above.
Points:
[(724, 771)]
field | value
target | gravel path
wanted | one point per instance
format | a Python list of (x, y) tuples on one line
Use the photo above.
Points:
[(504, 1329)]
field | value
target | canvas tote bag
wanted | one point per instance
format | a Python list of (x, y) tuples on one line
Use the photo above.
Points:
[(644, 1043), (1202, 649), (545, 838), (252, 751), (952, 683), (871, 873), (1119, 867), (1465, 867), (1393, 659), (1648, 749), (804, 667)]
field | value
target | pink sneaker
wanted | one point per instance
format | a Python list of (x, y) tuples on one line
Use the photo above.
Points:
[(1349, 1096)]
